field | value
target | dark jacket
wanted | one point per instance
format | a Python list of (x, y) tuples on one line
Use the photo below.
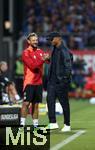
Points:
[(63, 64)]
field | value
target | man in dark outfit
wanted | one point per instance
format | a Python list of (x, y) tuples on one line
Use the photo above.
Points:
[(58, 81)]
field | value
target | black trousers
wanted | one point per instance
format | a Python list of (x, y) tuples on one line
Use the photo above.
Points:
[(59, 91)]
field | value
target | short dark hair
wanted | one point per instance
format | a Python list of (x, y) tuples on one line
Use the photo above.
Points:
[(31, 35), (51, 35)]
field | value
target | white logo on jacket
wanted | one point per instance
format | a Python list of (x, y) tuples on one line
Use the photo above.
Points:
[(34, 57)]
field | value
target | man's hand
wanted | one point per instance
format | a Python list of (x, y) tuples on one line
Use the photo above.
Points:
[(46, 56)]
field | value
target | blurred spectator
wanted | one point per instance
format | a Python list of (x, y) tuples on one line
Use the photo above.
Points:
[(8, 92), (19, 70), (89, 88), (78, 77)]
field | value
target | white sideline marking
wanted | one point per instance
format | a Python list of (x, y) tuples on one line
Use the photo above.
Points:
[(68, 140)]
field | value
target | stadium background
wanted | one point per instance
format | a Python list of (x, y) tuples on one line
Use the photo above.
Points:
[(75, 19)]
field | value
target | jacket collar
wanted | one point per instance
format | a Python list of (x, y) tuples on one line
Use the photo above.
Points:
[(62, 46)]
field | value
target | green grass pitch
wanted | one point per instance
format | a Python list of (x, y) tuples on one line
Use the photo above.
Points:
[(82, 118)]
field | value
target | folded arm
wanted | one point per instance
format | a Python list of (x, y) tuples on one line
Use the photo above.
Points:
[(30, 62)]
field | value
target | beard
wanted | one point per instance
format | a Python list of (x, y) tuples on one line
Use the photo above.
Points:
[(34, 45)]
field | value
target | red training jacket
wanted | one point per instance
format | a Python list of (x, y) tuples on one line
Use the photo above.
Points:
[(33, 66)]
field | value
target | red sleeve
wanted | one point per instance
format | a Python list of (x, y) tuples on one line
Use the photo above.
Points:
[(30, 62)]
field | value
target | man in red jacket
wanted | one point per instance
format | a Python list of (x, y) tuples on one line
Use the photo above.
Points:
[(33, 59)]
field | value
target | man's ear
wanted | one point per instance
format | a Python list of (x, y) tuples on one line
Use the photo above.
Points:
[(28, 41)]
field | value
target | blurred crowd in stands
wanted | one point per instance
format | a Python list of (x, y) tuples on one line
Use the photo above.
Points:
[(74, 18)]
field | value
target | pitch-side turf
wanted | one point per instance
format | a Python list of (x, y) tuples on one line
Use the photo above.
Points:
[(82, 135)]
